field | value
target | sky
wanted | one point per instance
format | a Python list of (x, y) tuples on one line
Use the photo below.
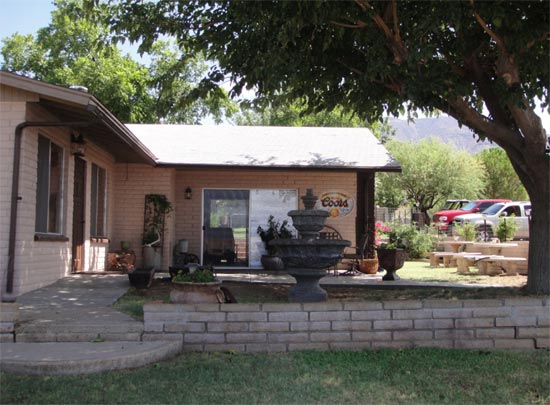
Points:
[(27, 16)]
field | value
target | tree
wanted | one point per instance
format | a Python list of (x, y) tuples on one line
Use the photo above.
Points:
[(297, 115), (432, 172), (501, 181), (75, 50), (371, 57)]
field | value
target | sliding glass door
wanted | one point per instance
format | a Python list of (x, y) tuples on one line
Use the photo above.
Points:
[(226, 230)]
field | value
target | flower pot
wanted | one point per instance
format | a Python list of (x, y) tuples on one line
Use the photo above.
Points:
[(391, 260), (196, 293), (141, 278), (368, 266), (272, 262)]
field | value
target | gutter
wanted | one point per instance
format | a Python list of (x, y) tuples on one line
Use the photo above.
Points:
[(15, 191)]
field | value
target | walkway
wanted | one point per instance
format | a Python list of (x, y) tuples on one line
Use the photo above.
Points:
[(70, 327)]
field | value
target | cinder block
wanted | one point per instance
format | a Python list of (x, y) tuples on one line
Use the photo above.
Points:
[(474, 344), (287, 316), (330, 336), (153, 326), (330, 316), (7, 338), (246, 316), (185, 327), (433, 323), (351, 325), (246, 337), (498, 333), (412, 314), (524, 301), (149, 337), (516, 321), (402, 304), (308, 346), (227, 326), (291, 337), (393, 324), (413, 335), (363, 306), (370, 315), (240, 307), (482, 303), (269, 327), (514, 343), (6, 327), (466, 323), (542, 343), (531, 311), (452, 313), (205, 338), (310, 326), (455, 334), (441, 344), (533, 332), (282, 307), (491, 312), (354, 345), (265, 347), (400, 344), (323, 306), (238, 348), (370, 336)]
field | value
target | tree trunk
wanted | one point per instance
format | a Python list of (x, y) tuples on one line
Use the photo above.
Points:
[(538, 280)]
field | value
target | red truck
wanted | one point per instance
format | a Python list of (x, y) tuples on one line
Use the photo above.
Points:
[(445, 217)]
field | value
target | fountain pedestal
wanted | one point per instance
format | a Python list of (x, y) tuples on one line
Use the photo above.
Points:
[(306, 259)]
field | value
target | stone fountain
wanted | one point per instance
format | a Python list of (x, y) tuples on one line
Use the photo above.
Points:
[(307, 258)]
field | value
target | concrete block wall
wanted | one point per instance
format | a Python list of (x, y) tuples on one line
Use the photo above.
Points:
[(9, 314), (189, 212), (522, 323)]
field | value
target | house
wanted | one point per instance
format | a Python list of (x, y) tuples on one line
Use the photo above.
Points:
[(75, 183)]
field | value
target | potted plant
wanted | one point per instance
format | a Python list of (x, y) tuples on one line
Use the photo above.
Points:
[(274, 230), (196, 285), (392, 251)]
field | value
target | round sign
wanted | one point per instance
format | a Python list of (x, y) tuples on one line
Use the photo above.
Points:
[(337, 203)]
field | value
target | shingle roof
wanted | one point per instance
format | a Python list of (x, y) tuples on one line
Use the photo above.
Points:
[(225, 145)]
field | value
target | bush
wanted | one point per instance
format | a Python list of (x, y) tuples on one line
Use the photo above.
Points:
[(417, 242), (506, 229), (467, 231)]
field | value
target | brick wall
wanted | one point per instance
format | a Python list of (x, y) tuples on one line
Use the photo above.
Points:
[(522, 323)]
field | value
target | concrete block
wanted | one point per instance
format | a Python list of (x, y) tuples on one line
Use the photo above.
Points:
[(227, 326), (288, 316), (323, 306), (516, 321), (466, 323), (363, 306), (7, 327), (310, 326), (542, 343), (498, 333), (482, 303), (238, 348), (454, 334), (393, 324), (308, 346), (282, 307), (291, 337), (153, 326), (474, 344), (533, 332), (433, 323), (240, 307), (7, 337), (514, 343), (452, 313), (330, 336), (185, 327), (246, 316), (370, 336), (413, 335), (531, 311), (147, 337), (353, 345), (402, 304), (491, 312), (269, 327), (265, 347), (370, 315), (205, 338), (442, 304), (401, 344), (246, 337), (412, 313), (441, 344), (351, 325), (524, 301)]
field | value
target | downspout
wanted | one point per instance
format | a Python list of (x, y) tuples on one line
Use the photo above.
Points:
[(15, 191)]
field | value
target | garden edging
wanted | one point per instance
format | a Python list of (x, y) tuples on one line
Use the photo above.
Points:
[(511, 323)]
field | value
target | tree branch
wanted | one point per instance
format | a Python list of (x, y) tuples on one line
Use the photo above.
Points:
[(543, 37), (489, 31), (358, 24)]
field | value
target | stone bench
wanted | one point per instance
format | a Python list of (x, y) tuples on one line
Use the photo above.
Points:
[(465, 260), (500, 265), (435, 258)]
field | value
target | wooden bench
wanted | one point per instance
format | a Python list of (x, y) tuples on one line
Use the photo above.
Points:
[(498, 265), (465, 260)]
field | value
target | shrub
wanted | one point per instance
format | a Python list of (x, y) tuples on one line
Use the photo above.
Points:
[(506, 230), (417, 242), (466, 230)]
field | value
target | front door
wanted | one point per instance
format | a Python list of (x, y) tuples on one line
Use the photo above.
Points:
[(78, 213)]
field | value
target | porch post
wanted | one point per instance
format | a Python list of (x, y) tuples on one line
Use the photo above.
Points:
[(365, 219)]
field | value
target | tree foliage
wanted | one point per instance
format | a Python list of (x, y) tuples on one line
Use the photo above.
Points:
[(501, 181), (372, 56), (74, 49), (431, 172)]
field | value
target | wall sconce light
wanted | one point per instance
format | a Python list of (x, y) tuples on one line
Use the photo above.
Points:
[(78, 145), (188, 193)]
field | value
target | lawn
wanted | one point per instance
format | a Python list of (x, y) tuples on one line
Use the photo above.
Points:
[(426, 376)]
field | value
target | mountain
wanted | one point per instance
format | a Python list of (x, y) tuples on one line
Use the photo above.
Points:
[(443, 127)]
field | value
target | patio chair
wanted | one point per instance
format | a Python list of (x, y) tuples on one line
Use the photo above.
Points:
[(354, 255)]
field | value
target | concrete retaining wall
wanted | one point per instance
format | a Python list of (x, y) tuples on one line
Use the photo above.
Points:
[(9, 313), (522, 323)]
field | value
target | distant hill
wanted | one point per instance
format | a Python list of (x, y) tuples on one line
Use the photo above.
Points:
[(444, 128)]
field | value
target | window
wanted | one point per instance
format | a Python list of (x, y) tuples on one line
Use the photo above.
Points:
[(49, 192), (98, 198)]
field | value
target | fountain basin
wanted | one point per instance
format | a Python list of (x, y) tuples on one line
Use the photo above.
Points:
[(310, 253)]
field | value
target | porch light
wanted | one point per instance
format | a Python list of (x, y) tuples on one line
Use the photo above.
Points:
[(78, 145), (188, 193)]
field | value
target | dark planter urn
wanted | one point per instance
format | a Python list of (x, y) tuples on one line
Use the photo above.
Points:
[(271, 262), (391, 260), (141, 278)]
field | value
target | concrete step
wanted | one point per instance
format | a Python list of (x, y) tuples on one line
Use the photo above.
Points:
[(71, 358)]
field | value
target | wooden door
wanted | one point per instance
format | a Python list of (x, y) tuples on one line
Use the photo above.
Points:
[(79, 198)]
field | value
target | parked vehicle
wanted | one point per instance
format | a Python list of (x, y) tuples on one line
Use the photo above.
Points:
[(454, 204), (444, 217), (487, 222)]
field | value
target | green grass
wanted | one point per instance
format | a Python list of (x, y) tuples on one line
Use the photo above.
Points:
[(415, 376)]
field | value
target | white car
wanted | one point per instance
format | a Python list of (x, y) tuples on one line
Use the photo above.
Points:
[(487, 221)]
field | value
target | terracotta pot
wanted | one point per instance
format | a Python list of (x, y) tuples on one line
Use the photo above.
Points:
[(196, 293), (368, 266)]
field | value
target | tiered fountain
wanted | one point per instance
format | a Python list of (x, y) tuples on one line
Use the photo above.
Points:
[(307, 258)]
